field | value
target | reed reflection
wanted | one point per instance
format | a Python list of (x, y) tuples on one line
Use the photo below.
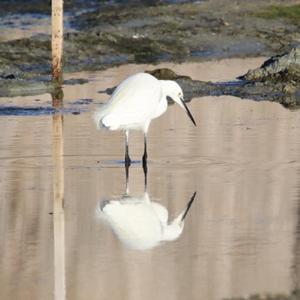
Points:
[(140, 223), (58, 201)]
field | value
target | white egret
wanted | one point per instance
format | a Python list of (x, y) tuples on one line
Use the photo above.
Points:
[(135, 102), (141, 224)]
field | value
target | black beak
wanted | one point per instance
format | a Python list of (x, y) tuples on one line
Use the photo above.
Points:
[(188, 111), (189, 206)]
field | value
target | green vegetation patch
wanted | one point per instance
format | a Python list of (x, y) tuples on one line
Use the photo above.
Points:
[(291, 13)]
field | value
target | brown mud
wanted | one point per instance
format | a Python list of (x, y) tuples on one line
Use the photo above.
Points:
[(107, 35)]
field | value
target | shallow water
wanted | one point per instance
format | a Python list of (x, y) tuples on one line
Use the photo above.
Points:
[(240, 236)]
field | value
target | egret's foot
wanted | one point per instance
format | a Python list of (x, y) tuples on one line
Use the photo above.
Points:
[(145, 167), (127, 161)]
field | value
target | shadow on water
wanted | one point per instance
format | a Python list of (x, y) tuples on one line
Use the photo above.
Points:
[(120, 162), (138, 222), (36, 111), (26, 111)]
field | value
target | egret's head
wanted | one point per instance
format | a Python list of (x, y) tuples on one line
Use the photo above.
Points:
[(173, 91), (173, 231)]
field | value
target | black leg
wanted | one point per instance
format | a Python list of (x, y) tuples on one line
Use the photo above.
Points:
[(127, 158)]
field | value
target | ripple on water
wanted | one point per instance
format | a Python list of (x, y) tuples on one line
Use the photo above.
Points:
[(241, 234)]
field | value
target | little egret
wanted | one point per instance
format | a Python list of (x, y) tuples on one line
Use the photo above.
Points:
[(135, 102)]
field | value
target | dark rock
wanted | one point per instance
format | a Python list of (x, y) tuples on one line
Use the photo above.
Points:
[(74, 81), (9, 76), (280, 74), (287, 95), (285, 68), (166, 74)]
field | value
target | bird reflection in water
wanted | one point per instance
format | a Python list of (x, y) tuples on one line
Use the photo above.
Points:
[(140, 223)]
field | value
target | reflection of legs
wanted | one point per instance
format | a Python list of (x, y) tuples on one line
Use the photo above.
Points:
[(145, 168), (127, 178), (145, 174), (145, 155), (127, 158)]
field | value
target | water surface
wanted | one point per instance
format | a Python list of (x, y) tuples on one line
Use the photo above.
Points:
[(240, 236)]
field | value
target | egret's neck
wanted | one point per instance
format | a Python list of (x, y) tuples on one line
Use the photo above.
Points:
[(166, 87), (162, 105)]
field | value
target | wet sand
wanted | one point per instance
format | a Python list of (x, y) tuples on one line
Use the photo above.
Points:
[(240, 237)]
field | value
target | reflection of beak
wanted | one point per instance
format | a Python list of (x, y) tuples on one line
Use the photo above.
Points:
[(187, 111), (188, 206)]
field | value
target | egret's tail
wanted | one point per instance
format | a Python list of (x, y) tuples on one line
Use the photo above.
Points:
[(98, 116), (110, 121), (105, 119)]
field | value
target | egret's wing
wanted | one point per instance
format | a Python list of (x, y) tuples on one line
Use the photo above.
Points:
[(134, 223), (134, 101), (99, 114), (135, 86)]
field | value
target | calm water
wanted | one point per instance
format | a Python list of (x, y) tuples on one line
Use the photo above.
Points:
[(240, 236)]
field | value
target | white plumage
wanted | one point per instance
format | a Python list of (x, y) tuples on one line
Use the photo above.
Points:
[(140, 223), (135, 102), (132, 105)]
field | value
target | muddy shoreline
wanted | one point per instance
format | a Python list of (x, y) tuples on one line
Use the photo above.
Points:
[(111, 35)]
